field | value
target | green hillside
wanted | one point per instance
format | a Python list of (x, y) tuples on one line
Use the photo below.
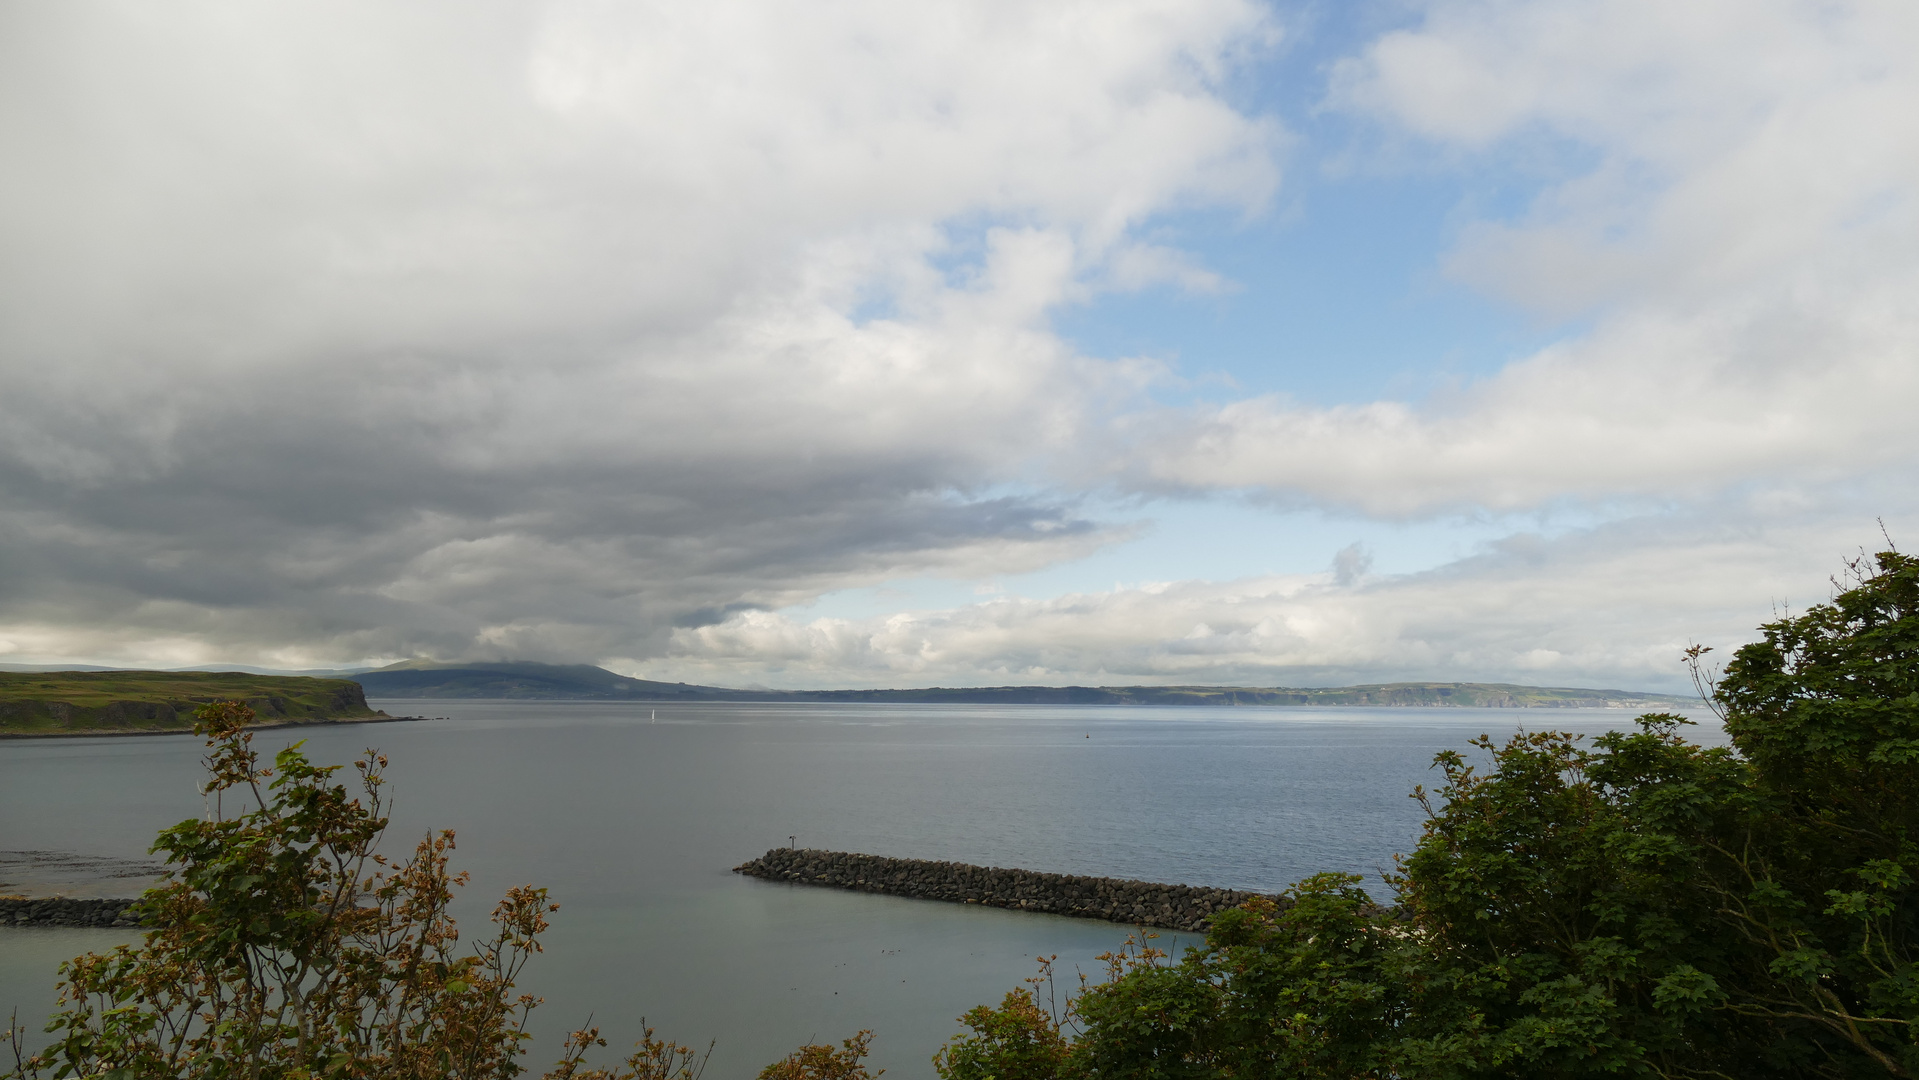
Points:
[(417, 679), (130, 702)]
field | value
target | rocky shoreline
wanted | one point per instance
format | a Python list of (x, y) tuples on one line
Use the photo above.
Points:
[(1140, 903), (66, 911)]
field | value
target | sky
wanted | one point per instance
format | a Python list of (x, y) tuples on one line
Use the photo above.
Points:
[(974, 343)]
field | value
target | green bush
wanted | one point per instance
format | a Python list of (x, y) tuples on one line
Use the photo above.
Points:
[(1017, 1041)]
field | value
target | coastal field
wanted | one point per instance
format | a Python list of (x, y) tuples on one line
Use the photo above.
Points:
[(130, 702)]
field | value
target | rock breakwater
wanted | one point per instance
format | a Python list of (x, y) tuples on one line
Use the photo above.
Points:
[(65, 911), (1143, 903)]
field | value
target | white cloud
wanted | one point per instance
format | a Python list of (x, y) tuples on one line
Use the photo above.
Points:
[(1743, 239)]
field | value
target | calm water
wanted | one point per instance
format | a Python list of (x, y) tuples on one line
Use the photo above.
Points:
[(634, 826)]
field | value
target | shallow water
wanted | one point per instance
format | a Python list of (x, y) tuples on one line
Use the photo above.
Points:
[(634, 825)]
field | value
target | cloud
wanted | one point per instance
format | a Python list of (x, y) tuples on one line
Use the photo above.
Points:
[(1612, 605), (589, 330), (334, 331), (1350, 564), (1733, 224)]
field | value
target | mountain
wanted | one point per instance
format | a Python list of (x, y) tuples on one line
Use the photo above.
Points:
[(422, 679), (419, 679)]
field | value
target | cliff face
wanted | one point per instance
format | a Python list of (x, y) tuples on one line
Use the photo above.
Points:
[(75, 702)]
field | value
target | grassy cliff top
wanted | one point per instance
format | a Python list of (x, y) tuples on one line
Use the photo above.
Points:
[(94, 702), (101, 687)]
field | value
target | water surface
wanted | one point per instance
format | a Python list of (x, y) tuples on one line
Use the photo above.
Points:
[(634, 824)]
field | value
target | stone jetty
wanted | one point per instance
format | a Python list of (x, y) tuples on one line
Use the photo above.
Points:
[(65, 911), (1141, 903)]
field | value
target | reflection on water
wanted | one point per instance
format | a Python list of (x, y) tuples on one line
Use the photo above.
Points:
[(635, 824)]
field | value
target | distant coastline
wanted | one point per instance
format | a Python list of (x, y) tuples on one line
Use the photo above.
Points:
[(67, 704), (583, 682)]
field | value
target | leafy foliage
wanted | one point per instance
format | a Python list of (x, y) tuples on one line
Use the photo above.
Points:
[(819, 1062), (1017, 1041), (1642, 906), (653, 1058)]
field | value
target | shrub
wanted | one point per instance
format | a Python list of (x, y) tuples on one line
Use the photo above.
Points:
[(1017, 1041), (818, 1062)]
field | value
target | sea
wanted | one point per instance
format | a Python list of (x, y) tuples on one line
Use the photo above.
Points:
[(633, 815)]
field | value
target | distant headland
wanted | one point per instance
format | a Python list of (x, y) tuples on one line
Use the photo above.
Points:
[(67, 703)]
